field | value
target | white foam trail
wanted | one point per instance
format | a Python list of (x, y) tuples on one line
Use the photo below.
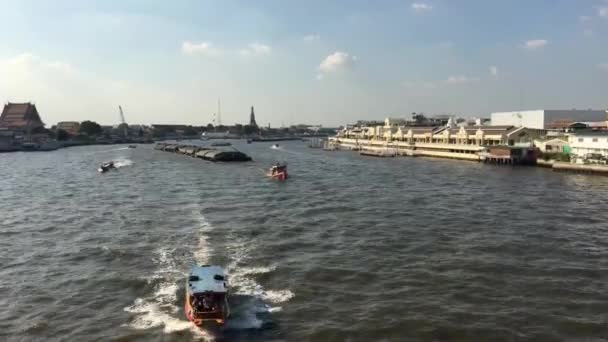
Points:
[(123, 162), (161, 308), (258, 270), (111, 150), (278, 296), (243, 284)]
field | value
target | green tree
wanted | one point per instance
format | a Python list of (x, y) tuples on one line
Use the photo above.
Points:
[(209, 127), (90, 128), (249, 130), (188, 131), (62, 135)]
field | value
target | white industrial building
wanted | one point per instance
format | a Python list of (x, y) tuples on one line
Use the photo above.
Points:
[(544, 118)]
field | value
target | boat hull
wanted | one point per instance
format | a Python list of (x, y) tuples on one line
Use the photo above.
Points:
[(281, 176)]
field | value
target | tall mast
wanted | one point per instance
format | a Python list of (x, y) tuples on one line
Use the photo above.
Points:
[(219, 112), (122, 121)]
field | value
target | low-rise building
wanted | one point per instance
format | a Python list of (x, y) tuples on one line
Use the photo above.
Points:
[(552, 145), (588, 147), (71, 127)]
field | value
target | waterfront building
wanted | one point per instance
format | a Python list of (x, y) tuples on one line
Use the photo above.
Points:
[(588, 147), (558, 144), (449, 141), (546, 118), (71, 127), (20, 116), (21, 121)]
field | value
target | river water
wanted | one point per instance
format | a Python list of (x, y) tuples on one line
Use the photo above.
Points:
[(350, 248)]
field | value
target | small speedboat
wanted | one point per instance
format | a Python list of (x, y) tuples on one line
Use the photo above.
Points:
[(207, 296), (105, 167), (278, 172), (275, 146), (132, 146)]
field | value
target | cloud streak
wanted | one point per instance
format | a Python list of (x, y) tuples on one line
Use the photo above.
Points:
[(256, 49), (311, 37), (420, 7), (536, 44), (460, 79), (202, 48)]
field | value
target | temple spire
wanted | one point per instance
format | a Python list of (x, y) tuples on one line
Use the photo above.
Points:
[(252, 118)]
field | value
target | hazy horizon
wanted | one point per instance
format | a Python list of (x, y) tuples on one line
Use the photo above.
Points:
[(318, 62)]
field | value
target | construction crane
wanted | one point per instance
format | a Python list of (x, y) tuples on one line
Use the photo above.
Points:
[(123, 122)]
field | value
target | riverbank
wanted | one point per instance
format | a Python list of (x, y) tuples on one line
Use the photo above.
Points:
[(454, 151), (55, 145)]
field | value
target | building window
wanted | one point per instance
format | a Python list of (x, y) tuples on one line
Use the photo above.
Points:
[(580, 139), (594, 139)]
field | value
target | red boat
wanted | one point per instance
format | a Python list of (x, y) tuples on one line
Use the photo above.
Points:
[(278, 172), (207, 296)]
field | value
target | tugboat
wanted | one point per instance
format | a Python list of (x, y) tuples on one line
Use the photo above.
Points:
[(207, 296), (105, 167), (279, 172)]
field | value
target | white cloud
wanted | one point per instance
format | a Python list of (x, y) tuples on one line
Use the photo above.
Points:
[(337, 61), (584, 18), (421, 7), (202, 48), (311, 37), (535, 44), (256, 49), (588, 32), (603, 66), (320, 76), (63, 91), (460, 79), (494, 70), (602, 12)]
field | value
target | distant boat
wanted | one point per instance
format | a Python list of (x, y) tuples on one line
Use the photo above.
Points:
[(279, 172), (221, 144), (105, 167), (132, 146), (275, 146)]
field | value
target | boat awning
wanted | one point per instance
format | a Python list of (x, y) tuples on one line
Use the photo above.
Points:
[(207, 279)]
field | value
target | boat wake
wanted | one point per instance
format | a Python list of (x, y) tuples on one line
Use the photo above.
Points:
[(250, 302), (255, 298), (122, 163), (163, 307), (112, 150)]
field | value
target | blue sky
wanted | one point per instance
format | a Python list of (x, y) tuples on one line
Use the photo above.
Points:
[(328, 62)]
